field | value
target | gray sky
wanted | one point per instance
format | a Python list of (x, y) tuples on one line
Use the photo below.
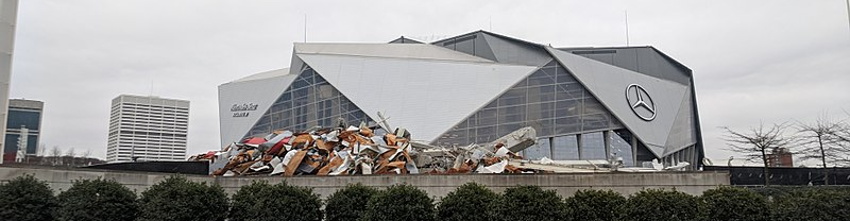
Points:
[(754, 61)]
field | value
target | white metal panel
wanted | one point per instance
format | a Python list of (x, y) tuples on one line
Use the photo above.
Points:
[(264, 75), (425, 96), (609, 83), (416, 51), (263, 92)]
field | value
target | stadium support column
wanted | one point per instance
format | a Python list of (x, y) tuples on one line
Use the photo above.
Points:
[(579, 146), (606, 141), (634, 150)]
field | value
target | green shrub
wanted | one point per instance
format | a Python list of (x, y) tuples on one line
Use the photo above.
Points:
[(97, 200), (262, 201), (469, 202), (812, 204), (596, 205), (177, 198), (735, 204), (657, 204), (26, 198), (348, 203), (400, 202), (531, 203)]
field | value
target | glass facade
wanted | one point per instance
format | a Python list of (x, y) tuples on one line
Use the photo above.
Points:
[(551, 101), (29, 119), (11, 145), (22, 117), (308, 102)]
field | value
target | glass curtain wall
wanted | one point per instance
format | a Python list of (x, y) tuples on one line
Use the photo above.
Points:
[(553, 102), (310, 101)]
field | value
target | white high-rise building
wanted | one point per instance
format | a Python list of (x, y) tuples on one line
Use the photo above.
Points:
[(8, 18), (145, 128)]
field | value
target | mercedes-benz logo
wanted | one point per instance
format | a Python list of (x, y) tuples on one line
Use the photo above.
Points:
[(640, 102)]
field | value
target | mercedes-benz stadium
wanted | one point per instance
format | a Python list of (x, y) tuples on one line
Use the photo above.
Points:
[(586, 103)]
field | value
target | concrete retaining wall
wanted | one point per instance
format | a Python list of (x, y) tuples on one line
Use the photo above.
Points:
[(436, 185)]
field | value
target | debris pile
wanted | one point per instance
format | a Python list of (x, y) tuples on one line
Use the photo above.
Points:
[(355, 150)]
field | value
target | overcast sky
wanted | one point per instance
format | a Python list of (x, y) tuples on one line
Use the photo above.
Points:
[(753, 61)]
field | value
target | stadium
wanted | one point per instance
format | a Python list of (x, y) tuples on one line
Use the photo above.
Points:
[(585, 103)]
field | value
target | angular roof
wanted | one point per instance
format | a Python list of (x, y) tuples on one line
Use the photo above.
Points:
[(610, 83), (398, 51), (263, 75), (432, 91), (426, 96)]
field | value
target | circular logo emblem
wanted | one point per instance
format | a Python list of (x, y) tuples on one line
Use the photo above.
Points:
[(640, 102)]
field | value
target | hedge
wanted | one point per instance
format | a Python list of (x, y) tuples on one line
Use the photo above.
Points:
[(531, 203), (177, 198), (659, 204), (469, 202), (25, 198), (400, 202), (812, 204), (348, 203), (262, 201), (734, 203), (596, 205), (98, 200)]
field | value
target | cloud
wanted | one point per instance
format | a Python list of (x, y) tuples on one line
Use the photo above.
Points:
[(752, 60)]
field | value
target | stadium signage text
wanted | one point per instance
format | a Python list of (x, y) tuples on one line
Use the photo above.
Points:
[(243, 110)]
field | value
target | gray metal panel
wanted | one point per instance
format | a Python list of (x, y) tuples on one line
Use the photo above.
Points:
[(667, 68), (683, 132), (405, 40), (401, 51), (642, 59), (607, 58), (425, 96), (472, 44), (261, 92), (609, 83), (628, 59), (513, 51)]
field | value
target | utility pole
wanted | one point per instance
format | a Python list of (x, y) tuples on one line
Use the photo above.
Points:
[(847, 2), (627, 27)]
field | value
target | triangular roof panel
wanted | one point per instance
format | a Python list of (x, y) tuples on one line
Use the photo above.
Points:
[(260, 89), (427, 96), (609, 84)]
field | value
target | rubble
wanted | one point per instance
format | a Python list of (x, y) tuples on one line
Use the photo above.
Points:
[(356, 150)]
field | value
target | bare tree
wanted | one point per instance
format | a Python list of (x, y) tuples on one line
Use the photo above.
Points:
[(71, 152), (42, 149), (86, 154), (55, 153), (843, 134), (820, 140), (758, 142)]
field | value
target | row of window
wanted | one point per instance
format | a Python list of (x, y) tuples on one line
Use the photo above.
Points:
[(558, 107), (592, 147), (151, 106), (153, 130), (147, 118), (309, 102)]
